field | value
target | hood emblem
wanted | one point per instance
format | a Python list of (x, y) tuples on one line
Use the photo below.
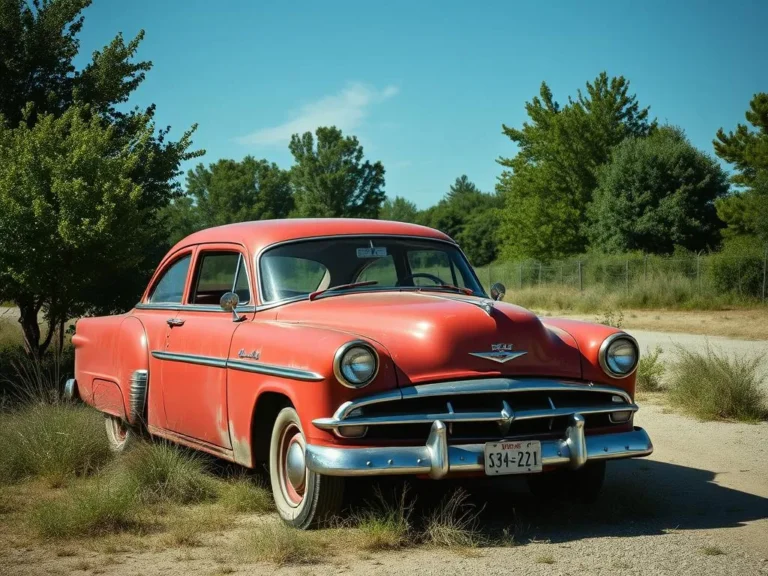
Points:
[(500, 353)]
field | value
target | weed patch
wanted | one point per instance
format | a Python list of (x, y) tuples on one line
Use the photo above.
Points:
[(714, 386), (650, 371), (279, 544)]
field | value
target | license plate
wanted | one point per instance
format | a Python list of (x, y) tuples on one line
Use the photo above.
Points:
[(512, 457)]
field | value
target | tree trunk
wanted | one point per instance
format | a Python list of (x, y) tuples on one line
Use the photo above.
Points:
[(29, 327)]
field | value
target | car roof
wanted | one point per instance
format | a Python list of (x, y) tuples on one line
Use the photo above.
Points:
[(259, 234)]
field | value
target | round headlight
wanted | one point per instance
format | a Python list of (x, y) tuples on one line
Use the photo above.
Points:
[(355, 364), (619, 355)]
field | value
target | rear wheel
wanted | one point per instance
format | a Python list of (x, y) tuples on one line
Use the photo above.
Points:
[(120, 435), (304, 499), (582, 485)]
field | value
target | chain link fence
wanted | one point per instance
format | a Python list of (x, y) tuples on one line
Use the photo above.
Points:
[(742, 276)]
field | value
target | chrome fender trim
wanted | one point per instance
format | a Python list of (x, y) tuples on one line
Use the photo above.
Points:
[(437, 458)]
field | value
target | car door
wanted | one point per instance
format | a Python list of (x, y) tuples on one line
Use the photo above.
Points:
[(157, 311), (194, 373)]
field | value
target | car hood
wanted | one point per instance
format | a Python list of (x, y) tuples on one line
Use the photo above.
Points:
[(433, 336)]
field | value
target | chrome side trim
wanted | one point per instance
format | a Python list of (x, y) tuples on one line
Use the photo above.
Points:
[(483, 386), (257, 367), (604, 348), (191, 359), (437, 458), (275, 370), (191, 307)]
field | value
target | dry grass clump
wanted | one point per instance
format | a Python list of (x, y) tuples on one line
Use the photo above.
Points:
[(90, 510), (53, 441), (243, 494), (163, 472), (454, 523), (650, 371), (385, 525), (281, 545), (714, 386)]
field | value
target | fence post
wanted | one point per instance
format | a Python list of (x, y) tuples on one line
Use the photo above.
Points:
[(562, 276), (521, 276), (698, 270), (539, 273), (765, 262), (489, 276), (645, 267), (739, 274), (581, 284), (626, 275)]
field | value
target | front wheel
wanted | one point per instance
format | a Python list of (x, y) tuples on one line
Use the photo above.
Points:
[(120, 435), (304, 499), (583, 485)]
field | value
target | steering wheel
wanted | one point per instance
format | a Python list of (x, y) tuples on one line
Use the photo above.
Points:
[(436, 279)]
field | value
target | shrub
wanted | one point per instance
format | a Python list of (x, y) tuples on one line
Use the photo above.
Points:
[(87, 511), (712, 385), (650, 371), (162, 472), (55, 442)]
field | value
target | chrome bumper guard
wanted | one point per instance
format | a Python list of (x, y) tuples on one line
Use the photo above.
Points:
[(437, 458)]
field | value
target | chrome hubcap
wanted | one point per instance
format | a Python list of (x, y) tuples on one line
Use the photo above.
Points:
[(295, 466)]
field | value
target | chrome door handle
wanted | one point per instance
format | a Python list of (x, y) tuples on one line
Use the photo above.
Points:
[(175, 322)]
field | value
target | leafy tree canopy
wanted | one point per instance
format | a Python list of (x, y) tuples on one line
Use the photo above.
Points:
[(657, 193), (746, 211), (229, 191), (399, 209), (40, 84), (549, 183), (331, 179)]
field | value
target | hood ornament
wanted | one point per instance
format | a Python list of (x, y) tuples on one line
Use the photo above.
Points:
[(500, 353)]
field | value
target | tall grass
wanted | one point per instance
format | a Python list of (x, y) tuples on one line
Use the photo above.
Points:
[(54, 441), (712, 385), (650, 371)]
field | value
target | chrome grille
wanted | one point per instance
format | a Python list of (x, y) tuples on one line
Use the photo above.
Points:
[(477, 409)]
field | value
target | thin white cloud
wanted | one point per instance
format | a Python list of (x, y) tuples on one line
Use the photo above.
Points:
[(345, 110)]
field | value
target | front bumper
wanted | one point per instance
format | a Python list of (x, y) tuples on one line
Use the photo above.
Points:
[(437, 458)]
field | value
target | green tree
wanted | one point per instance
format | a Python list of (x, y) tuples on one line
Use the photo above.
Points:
[(229, 191), (657, 193), (399, 209), (331, 179), (549, 183), (38, 80), (746, 210)]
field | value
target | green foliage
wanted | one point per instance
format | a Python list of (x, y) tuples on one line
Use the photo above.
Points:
[(650, 371), (657, 193), (714, 386), (245, 494), (551, 179), (228, 191), (163, 472), (746, 211), (330, 178), (614, 318), (80, 181), (55, 442), (399, 209), (738, 268)]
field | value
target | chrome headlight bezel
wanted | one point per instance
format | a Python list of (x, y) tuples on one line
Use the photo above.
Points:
[(605, 349), (338, 358)]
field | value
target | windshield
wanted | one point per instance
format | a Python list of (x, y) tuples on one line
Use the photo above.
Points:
[(300, 268)]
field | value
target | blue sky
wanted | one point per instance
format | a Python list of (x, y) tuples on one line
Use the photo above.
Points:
[(426, 86)]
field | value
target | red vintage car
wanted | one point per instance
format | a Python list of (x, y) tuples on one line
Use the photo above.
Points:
[(334, 348)]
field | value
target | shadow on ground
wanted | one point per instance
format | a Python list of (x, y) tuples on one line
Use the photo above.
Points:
[(640, 497)]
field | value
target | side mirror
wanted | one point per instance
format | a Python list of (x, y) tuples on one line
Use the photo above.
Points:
[(498, 290), (229, 302)]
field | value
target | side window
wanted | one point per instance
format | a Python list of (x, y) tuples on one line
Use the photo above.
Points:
[(382, 270), (218, 273), (170, 287), (435, 263)]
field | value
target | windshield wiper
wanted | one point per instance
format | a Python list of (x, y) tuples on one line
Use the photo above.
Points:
[(316, 293)]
